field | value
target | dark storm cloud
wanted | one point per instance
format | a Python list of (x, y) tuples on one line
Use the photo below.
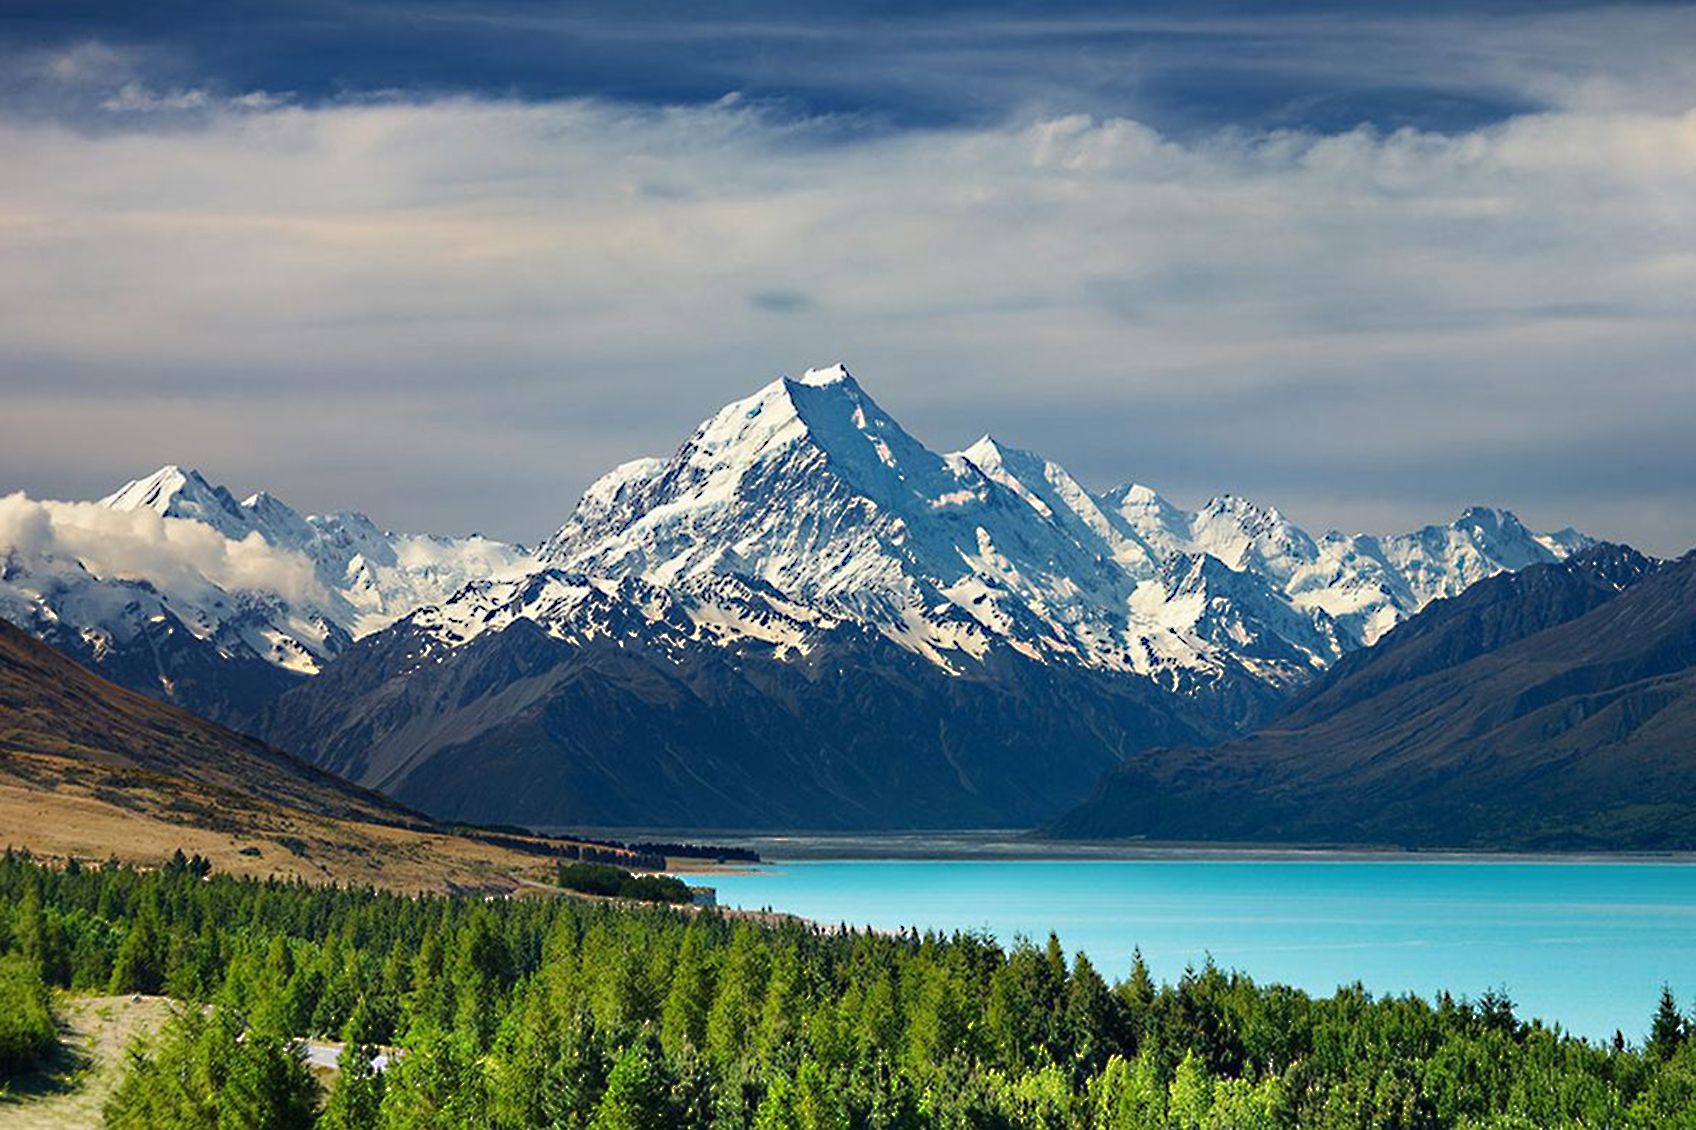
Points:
[(780, 301), (1178, 66)]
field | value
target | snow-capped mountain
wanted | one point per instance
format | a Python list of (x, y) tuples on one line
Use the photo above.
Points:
[(813, 489), (171, 586), (371, 577), (805, 617)]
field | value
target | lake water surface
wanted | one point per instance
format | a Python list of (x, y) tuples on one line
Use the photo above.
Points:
[(1586, 944)]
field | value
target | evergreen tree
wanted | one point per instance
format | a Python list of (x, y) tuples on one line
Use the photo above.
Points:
[(1669, 1029), (1191, 1094), (356, 1100), (29, 927), (636, 1092), (683, 1021), (817, 1104), (879, 1027), (936, 1027), (777, 1109), (139, 966), (438, 1084), (28, 1031), (205, 1072), (481, 975), (1089, 1023), (1131, 1095), (268, 1087), (741, 988), (1136, 1002), (782, 1012)]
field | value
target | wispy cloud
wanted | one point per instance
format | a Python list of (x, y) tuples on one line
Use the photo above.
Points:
[(135, 97)]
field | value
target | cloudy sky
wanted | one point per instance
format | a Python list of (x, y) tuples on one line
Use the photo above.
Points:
[(445, 261)]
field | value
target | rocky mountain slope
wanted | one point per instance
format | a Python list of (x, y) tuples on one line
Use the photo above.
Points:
[(621, 707), (1552, 708)]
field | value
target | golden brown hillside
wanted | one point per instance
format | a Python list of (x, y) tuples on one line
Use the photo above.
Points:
[(90, 770)]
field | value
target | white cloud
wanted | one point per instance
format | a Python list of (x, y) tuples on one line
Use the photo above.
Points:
[(86, 63), (461, 310), (174, 554)]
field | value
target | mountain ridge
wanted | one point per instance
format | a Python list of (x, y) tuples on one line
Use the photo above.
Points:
[(176, 590), (1545, 709), (1058, 576)]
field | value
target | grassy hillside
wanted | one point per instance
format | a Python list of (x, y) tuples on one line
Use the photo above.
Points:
[(90, 770)]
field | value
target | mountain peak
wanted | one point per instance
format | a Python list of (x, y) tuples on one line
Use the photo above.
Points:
[(1135, 493), (155, 491), (1488, 517), (835, 374), (988, 453), (810, 487), (181, 492), (1237, 505), (826, 412)]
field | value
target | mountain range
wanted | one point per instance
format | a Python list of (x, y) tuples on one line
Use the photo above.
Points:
[(171, 587), (803, 616), (1554, 708)]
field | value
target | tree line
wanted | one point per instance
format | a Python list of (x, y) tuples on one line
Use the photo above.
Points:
[(616, 882), (548, 1011)]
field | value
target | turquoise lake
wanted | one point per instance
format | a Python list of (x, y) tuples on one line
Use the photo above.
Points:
[(1583, 944)]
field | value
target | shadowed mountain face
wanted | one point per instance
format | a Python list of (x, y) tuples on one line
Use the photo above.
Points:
[(521, 726), (91, 770), (1552, 708)]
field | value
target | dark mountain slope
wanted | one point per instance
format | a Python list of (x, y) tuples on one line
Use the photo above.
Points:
[(217, 678), (520, 726), (1488, 615), (1551, 709)]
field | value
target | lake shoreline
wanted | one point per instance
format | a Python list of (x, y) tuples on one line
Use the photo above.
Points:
[(1020, 845), (1585, 943)]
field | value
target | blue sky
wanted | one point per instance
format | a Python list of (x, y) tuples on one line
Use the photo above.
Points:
[(446, 262)]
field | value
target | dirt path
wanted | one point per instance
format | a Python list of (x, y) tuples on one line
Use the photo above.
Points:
[(68, 1095)]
